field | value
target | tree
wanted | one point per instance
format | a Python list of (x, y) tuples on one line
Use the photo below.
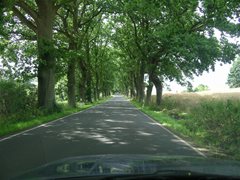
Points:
[(42, 25), (101, 45), (39, 16), (189, 87), (234, 75), (128, 39), (201, 87), (176, 40), (74, 23), (55, 39), (18, 55)]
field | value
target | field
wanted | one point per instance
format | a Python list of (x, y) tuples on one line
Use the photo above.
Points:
[(211, 119), (186, 101)]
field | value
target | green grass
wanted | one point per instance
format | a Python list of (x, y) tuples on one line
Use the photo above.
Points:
[(178, 126), (12, 127), (182, 127), (213, 120)]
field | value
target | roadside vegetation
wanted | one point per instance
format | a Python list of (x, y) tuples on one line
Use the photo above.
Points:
[(209, 120), (81, 51), (18, 110)]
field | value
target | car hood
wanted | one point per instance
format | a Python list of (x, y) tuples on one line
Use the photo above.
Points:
[(99, 165)]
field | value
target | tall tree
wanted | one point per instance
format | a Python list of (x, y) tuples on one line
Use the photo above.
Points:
[(39, 16), (74, 22), (234, 75), (176, 39)]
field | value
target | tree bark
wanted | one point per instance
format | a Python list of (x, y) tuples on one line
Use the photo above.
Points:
[(82, 83), (126, 90), (89, 75), (82, 91), (159, 87), (71, 78), (136, 86), (132, 90), (97, 86), (89, 88), (46, 55), (141, 83), (149, 93)]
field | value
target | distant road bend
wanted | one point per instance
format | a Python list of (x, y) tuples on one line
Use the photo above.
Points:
[(114, 127)]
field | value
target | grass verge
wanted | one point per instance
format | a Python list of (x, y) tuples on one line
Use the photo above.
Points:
[(9, 128), (164, 119), (180, 128)]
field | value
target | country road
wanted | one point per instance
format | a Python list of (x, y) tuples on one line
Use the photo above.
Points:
[(114, 127)]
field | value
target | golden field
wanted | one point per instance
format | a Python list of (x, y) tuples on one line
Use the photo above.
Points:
[(186, 100), (211, 118)]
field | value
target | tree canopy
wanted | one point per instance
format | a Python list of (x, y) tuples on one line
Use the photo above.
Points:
[(234, 75), (95, 48), (201, 87)]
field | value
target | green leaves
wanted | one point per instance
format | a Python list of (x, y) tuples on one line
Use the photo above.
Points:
[(234, 75), (17, 101), (219, 119), (173, 39)]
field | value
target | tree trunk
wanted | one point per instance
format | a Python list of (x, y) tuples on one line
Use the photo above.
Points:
[(132, 90), (94, 94), (71, 78), (136, 87), (159, 87), (46, 55), (132, 93), (89, 88), (89, 75), (97, 86), (126, 90), (149, 93), (141, 83), (82, 90), (104, 93), (82, 83)]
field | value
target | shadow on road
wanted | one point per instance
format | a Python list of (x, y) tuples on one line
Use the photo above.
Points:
[(115, 127)]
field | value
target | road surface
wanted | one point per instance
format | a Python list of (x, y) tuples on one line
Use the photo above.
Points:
[(114, 127)]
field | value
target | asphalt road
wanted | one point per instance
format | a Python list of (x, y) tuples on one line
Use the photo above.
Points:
[(115, 127)]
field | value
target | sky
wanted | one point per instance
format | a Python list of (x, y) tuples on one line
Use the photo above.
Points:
[(215, 80)]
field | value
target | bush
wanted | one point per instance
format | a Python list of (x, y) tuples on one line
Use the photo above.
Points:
[(220, 120), (17, 100), (212, 119), (201, 87)]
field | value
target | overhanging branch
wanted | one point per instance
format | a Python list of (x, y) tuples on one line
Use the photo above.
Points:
[(24, 20), (24, 6), (136, 37), (91, 18)]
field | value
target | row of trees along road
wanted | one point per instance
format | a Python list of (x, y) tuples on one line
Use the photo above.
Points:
[(103, 46)]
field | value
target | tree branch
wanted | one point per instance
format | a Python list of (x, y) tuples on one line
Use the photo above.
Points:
[(24, 20), (64, 30), (24, 6), (136, 36), (63, 3), (197, 26), (25, 35), (91, 18)]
